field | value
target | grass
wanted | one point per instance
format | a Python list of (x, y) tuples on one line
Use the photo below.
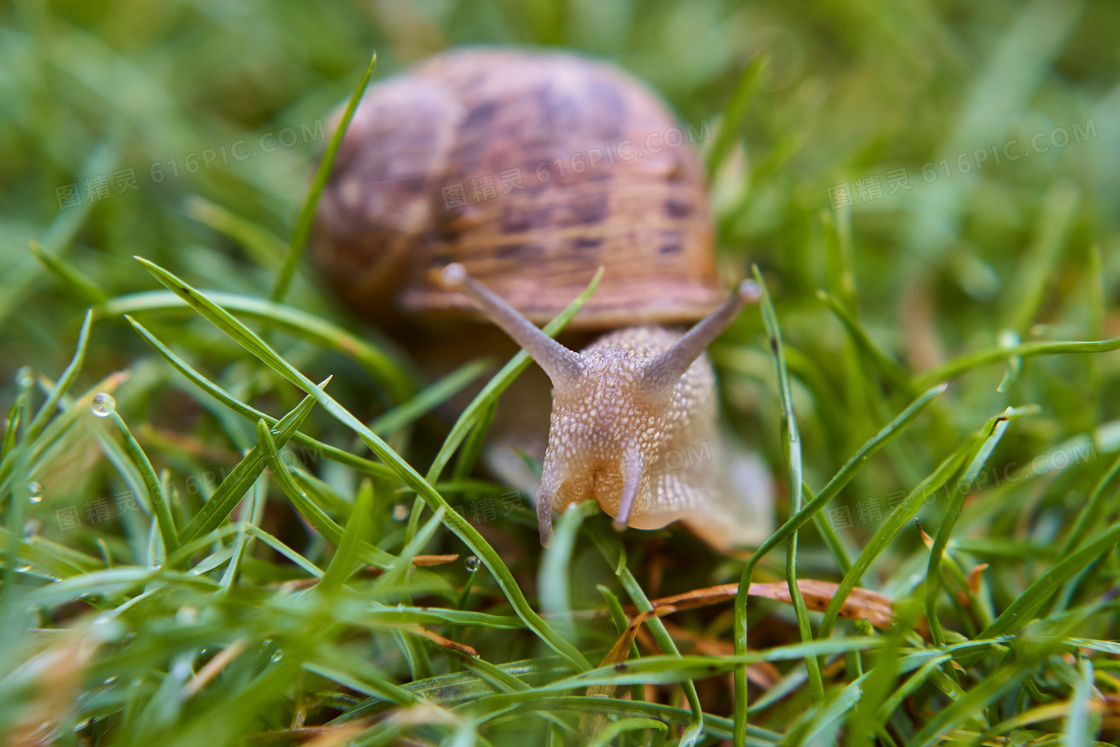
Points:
[(272, 531)]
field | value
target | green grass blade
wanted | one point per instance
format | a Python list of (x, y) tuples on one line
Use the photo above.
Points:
[(47, 411), (1037, 270), (307, 211), (974, 701), (243, 475), (796, 479), (156, 496), (457, 524), (992, 433), (400, 565), (899, 518), (891, 369), (1022, 610), (69, 276), (1082, 724), (501, 381), (429, 398), (265, 247), (307, 508), (553, 577), (672, 669), (830, 491), (382, 366), (317, 447), (270, 540), (736, 112), (345, 559), (1090, 514), (613, 730), (12, 428), (51, 558), (614, 555), (971, 361)]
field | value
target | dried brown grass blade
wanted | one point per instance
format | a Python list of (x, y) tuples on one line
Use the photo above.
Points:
[(861, 604), (591, 723)]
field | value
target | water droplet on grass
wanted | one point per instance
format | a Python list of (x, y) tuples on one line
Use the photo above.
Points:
[(103, 405), (472, 563)]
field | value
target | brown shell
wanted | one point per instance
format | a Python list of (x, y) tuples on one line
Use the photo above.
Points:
[(472, 157)]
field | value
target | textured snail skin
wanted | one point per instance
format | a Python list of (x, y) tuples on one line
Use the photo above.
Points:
[(620, 407), (606, 429)]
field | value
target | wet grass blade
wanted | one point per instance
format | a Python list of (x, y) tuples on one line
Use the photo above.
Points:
[(48, 410)]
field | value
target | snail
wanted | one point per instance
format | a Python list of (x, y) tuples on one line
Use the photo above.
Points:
[(499, 181)]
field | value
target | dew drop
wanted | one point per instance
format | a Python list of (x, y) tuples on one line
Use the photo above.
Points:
[(23, 568), (35, 492), (400, 512), (25, 377), (471, 563), (103, 405), (277, 657)]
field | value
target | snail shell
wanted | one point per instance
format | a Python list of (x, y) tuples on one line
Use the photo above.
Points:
[(472, 158)]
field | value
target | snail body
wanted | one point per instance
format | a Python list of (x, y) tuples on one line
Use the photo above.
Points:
[(633, 421)]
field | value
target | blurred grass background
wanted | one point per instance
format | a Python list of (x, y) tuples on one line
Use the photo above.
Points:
[(810, 107)]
